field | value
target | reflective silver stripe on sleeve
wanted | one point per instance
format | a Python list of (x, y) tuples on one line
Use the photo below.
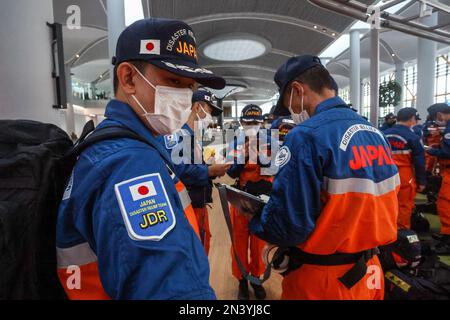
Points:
[(402, 152), (78, 255), (184, 197), (358, 185), (397, 137)]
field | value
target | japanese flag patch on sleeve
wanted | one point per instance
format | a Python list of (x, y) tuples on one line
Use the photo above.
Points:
[(145, 207)]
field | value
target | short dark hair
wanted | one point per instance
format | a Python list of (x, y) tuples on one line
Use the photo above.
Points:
[(140, 65), (317, 78)]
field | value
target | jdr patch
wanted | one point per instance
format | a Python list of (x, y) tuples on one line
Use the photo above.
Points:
[(145, 207)]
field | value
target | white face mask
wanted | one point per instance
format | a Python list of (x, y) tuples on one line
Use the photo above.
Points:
[(251, 130), (298, 117), (171, 107), (203, 123), (267, 125)]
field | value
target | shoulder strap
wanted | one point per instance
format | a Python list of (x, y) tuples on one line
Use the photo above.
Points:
[(90, 137), (103, 134)]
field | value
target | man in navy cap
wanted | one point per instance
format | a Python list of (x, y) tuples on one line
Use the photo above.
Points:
[(126, 226), (389, 120), (197, 176), (432, 135), (248, 247), (334, 199), (442, 152), (409, 156)]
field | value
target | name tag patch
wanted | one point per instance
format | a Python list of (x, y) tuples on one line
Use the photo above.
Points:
[(145, 207)]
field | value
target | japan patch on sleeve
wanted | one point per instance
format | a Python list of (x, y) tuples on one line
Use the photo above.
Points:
[(145, 207)]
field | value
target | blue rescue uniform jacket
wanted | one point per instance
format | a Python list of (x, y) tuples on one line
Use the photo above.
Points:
[(444, 151), (194, 176), (122, 214), (321, 156), (407, 149)]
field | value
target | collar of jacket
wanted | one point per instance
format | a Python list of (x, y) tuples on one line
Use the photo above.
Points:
[(402, 127), (329, 104), (188, 129), (122, 113)]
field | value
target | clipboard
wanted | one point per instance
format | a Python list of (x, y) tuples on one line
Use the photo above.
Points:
[(242, 200), (247, 202)]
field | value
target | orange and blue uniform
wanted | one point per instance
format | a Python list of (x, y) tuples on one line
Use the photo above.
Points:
[(335, 192), (245, 243), (443, 202), (409, 156), (431, 137), (194, 176), (126, 228)]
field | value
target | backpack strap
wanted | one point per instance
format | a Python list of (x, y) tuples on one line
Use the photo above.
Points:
[(103, 134), (90, 136)]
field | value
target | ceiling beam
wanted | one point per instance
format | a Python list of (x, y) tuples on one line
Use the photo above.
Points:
[(283, 19), (71, 62), (240, 66), (256, 79)]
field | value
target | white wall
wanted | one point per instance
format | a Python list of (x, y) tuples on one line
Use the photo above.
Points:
[(26, 85)]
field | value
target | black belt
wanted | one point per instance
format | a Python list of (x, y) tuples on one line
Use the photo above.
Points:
[(359, 260)]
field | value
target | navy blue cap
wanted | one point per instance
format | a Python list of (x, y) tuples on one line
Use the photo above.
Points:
[(438, 107), (167, 44), (390, 116), (291, 69), (207, 96), (269, 117), (406, 114), (252, 113)]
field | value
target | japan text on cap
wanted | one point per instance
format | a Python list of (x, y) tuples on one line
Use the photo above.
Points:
[(252, 113), (166, 44)]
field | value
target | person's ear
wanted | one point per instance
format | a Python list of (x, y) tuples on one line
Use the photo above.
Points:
[(126, 78), (299, 89), (196, 107)]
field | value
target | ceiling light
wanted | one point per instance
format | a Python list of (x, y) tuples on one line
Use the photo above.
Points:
[(77, 56), (393, 54), (315, 27), (333, 34), (235, 47)]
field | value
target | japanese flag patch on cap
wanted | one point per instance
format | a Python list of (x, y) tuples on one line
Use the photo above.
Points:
[(150, 47)]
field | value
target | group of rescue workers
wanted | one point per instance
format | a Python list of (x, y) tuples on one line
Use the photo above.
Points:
[(136, 223)]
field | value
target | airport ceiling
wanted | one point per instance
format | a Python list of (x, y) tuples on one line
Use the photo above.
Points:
[(281, 29)]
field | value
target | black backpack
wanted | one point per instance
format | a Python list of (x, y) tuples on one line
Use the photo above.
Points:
[(429, 281), (31, 186), (36, 161)]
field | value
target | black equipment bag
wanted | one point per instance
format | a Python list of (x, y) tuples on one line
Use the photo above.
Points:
[(36, 161), (32, 182), (413, 271), (419, 223), (402, 286)]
